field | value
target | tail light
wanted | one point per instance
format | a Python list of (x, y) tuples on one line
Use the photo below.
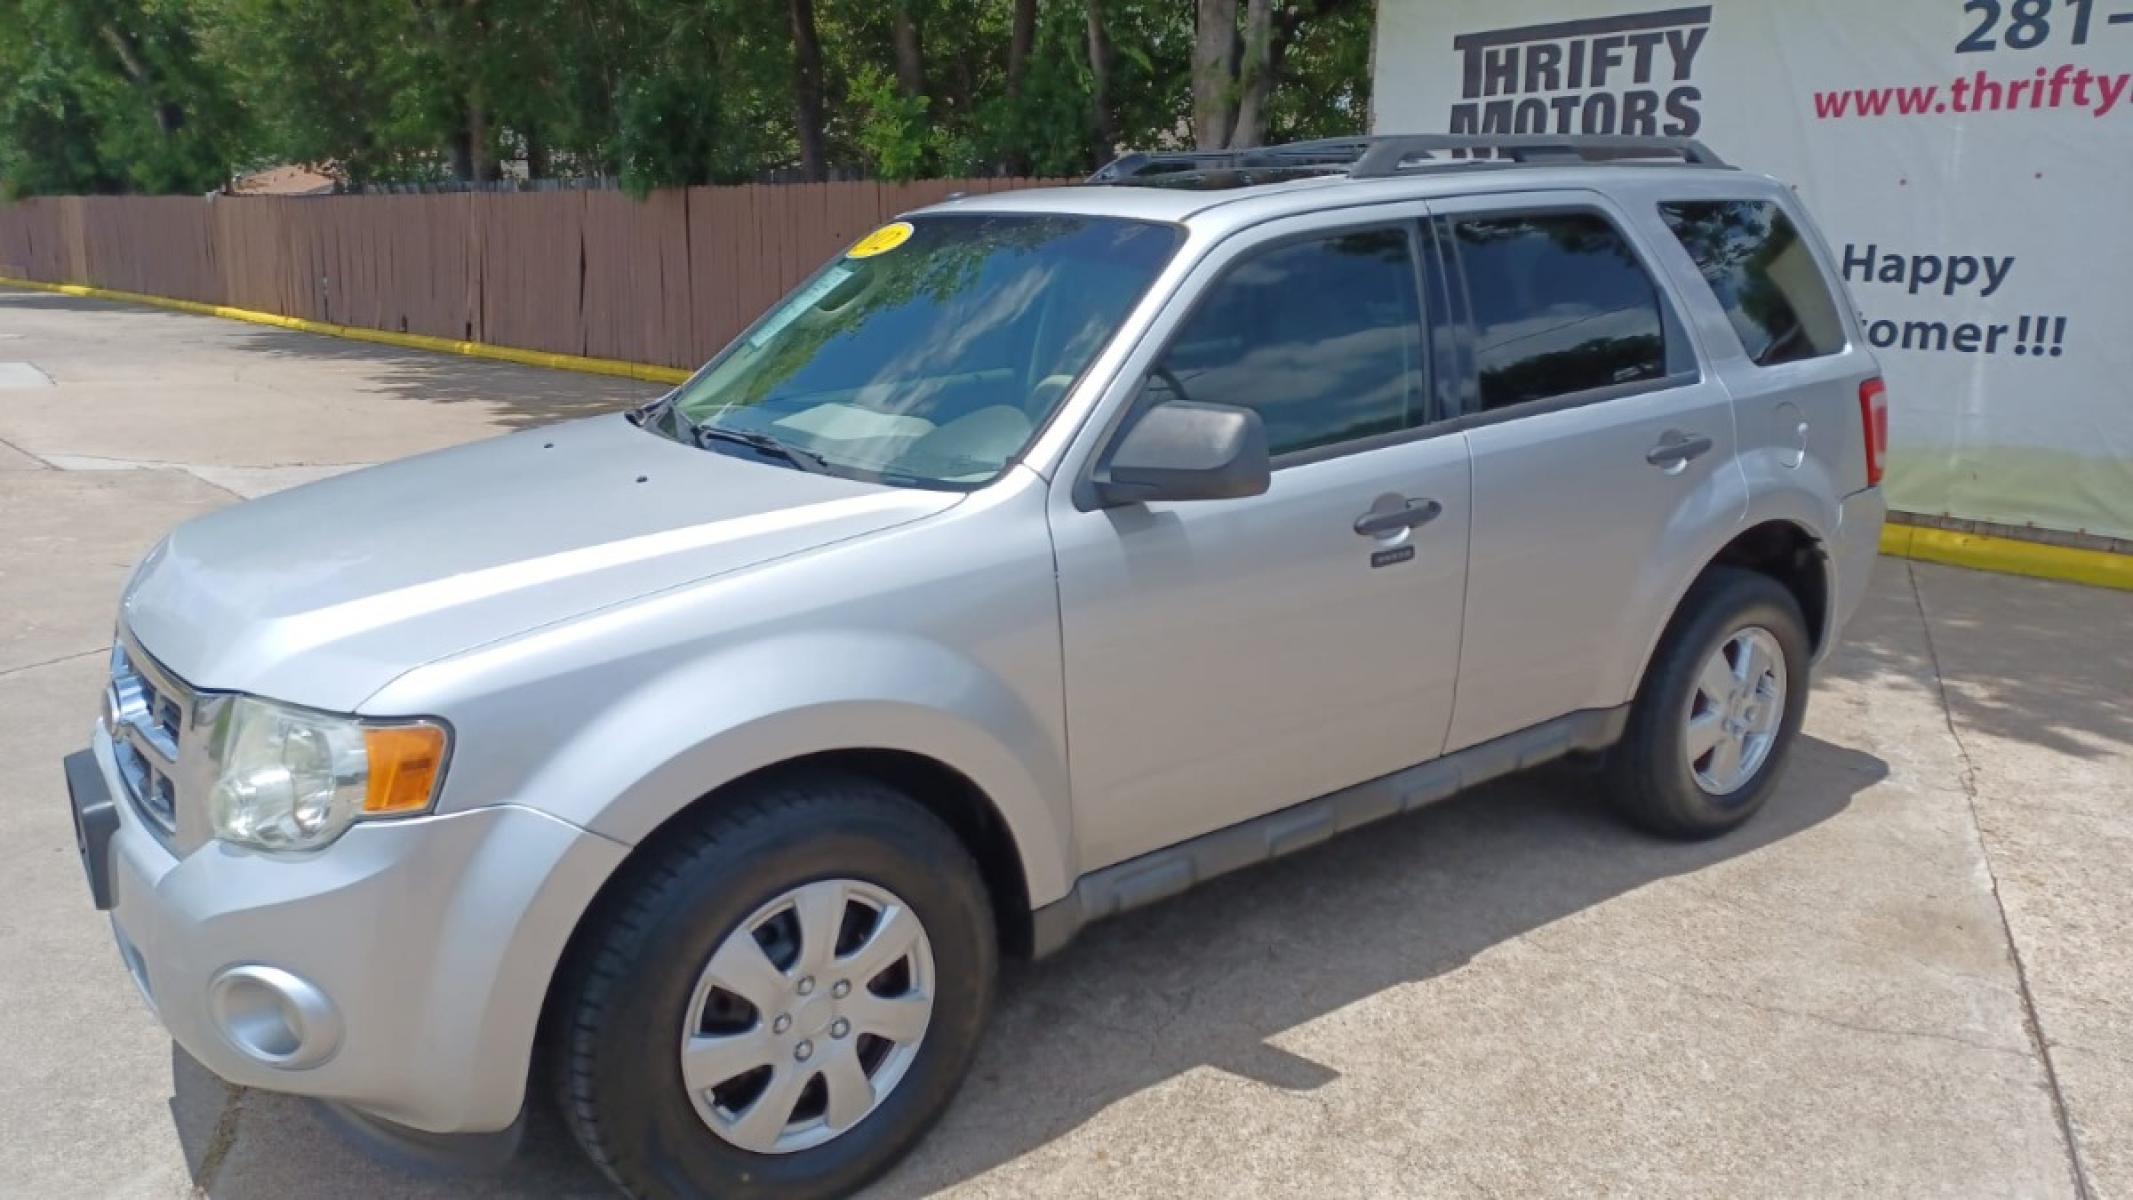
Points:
[(1874, 424)]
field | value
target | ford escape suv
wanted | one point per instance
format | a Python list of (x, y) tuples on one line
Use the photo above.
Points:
[(1042, 555)]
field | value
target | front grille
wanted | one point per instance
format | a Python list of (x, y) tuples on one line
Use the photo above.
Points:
[(149, 712)]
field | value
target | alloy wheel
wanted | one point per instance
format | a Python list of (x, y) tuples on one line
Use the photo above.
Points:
[(1735, 711)]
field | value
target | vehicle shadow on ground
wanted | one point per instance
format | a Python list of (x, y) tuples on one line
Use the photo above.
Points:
[(1205, 980)]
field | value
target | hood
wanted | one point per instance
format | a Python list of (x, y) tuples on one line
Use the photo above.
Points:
[(323, 594)]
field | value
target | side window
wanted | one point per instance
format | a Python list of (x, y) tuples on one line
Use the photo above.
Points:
[(1763, 275), (1323, 338), (1560, 305)]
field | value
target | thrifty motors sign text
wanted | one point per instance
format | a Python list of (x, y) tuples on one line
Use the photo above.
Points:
[(1631, 74)]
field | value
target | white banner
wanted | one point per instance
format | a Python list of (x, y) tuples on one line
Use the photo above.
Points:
[(1969, 161)]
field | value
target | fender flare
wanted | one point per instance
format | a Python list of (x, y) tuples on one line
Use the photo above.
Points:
[(1796, 508)]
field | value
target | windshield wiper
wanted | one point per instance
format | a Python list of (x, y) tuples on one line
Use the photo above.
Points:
[(763, 443)]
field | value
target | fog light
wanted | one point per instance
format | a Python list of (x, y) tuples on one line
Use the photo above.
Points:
[(274, 1017)]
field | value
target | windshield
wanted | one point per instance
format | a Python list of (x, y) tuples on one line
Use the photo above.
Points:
[(930, 353)]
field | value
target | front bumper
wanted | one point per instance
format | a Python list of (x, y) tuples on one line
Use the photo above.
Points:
[(430, 941)]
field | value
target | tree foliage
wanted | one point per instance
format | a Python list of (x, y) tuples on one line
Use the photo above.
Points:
[(178, 95), (111, 95)]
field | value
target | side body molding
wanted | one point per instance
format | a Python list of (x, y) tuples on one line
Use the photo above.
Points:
[(1160, 874)]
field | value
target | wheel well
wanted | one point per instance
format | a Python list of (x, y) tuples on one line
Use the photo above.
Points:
[(944, 791), (969, 814), (941, 789), (1793, 557)]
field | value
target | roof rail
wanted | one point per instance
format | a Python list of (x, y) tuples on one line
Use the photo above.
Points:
[(1325, 152), (1384, 155), (1387, 154)]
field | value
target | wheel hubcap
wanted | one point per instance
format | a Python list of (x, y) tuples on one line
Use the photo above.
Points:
[(1735, 711), (807, 1016)]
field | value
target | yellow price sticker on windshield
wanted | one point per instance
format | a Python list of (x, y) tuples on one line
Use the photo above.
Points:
[(881, 241)]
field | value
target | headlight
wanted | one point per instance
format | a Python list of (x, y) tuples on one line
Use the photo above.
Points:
[(292, 779)]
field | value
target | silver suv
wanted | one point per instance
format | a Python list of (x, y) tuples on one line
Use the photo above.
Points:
[(1043, 555)]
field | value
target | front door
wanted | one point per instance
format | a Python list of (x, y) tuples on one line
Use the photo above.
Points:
[(1228, 658)]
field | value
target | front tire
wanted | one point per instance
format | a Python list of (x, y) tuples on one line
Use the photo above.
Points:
[(782, 999), (1718, 710)]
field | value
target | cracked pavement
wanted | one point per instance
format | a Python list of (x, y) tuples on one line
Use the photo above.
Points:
[(1912, 975)]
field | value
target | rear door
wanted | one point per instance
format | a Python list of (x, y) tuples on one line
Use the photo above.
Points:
[(1603, 455)]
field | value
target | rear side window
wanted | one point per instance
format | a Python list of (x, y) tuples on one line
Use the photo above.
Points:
[(1763, 275), (1323, 338), (1560, 305)]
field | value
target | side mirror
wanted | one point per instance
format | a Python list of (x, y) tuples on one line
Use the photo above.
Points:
[(1184, 450)]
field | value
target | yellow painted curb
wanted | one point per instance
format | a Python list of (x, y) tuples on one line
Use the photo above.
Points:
[(1984, 552), (405, 341)]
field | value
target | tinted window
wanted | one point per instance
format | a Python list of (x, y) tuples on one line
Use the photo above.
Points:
[(1763, 275), (1560, 305), (1323, 338), (934, 359)]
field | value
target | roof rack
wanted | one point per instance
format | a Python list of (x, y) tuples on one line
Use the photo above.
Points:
[(1388, 154), (1329, 153)]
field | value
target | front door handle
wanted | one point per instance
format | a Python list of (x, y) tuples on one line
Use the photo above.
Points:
[(1676, 448), (1391, 520)]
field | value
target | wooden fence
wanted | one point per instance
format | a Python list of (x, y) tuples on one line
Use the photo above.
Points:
[(666, 280)]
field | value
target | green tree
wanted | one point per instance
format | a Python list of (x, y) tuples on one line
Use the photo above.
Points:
[(352, 83), (110, 95), (175, 95), (1247, 83), (47, 131)]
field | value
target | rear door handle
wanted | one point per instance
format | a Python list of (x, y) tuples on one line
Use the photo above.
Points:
[(1676, 448), (1391, 520)]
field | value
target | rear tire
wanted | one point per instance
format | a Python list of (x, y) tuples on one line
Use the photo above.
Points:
[(1718, 710), (739, 879)]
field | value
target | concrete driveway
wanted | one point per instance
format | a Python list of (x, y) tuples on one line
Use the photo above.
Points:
[(1913, 975)]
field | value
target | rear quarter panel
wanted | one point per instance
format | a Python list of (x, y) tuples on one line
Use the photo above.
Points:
[(1802, 451), (1798, 421)]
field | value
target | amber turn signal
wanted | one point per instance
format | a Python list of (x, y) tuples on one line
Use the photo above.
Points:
[(404, 763)]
